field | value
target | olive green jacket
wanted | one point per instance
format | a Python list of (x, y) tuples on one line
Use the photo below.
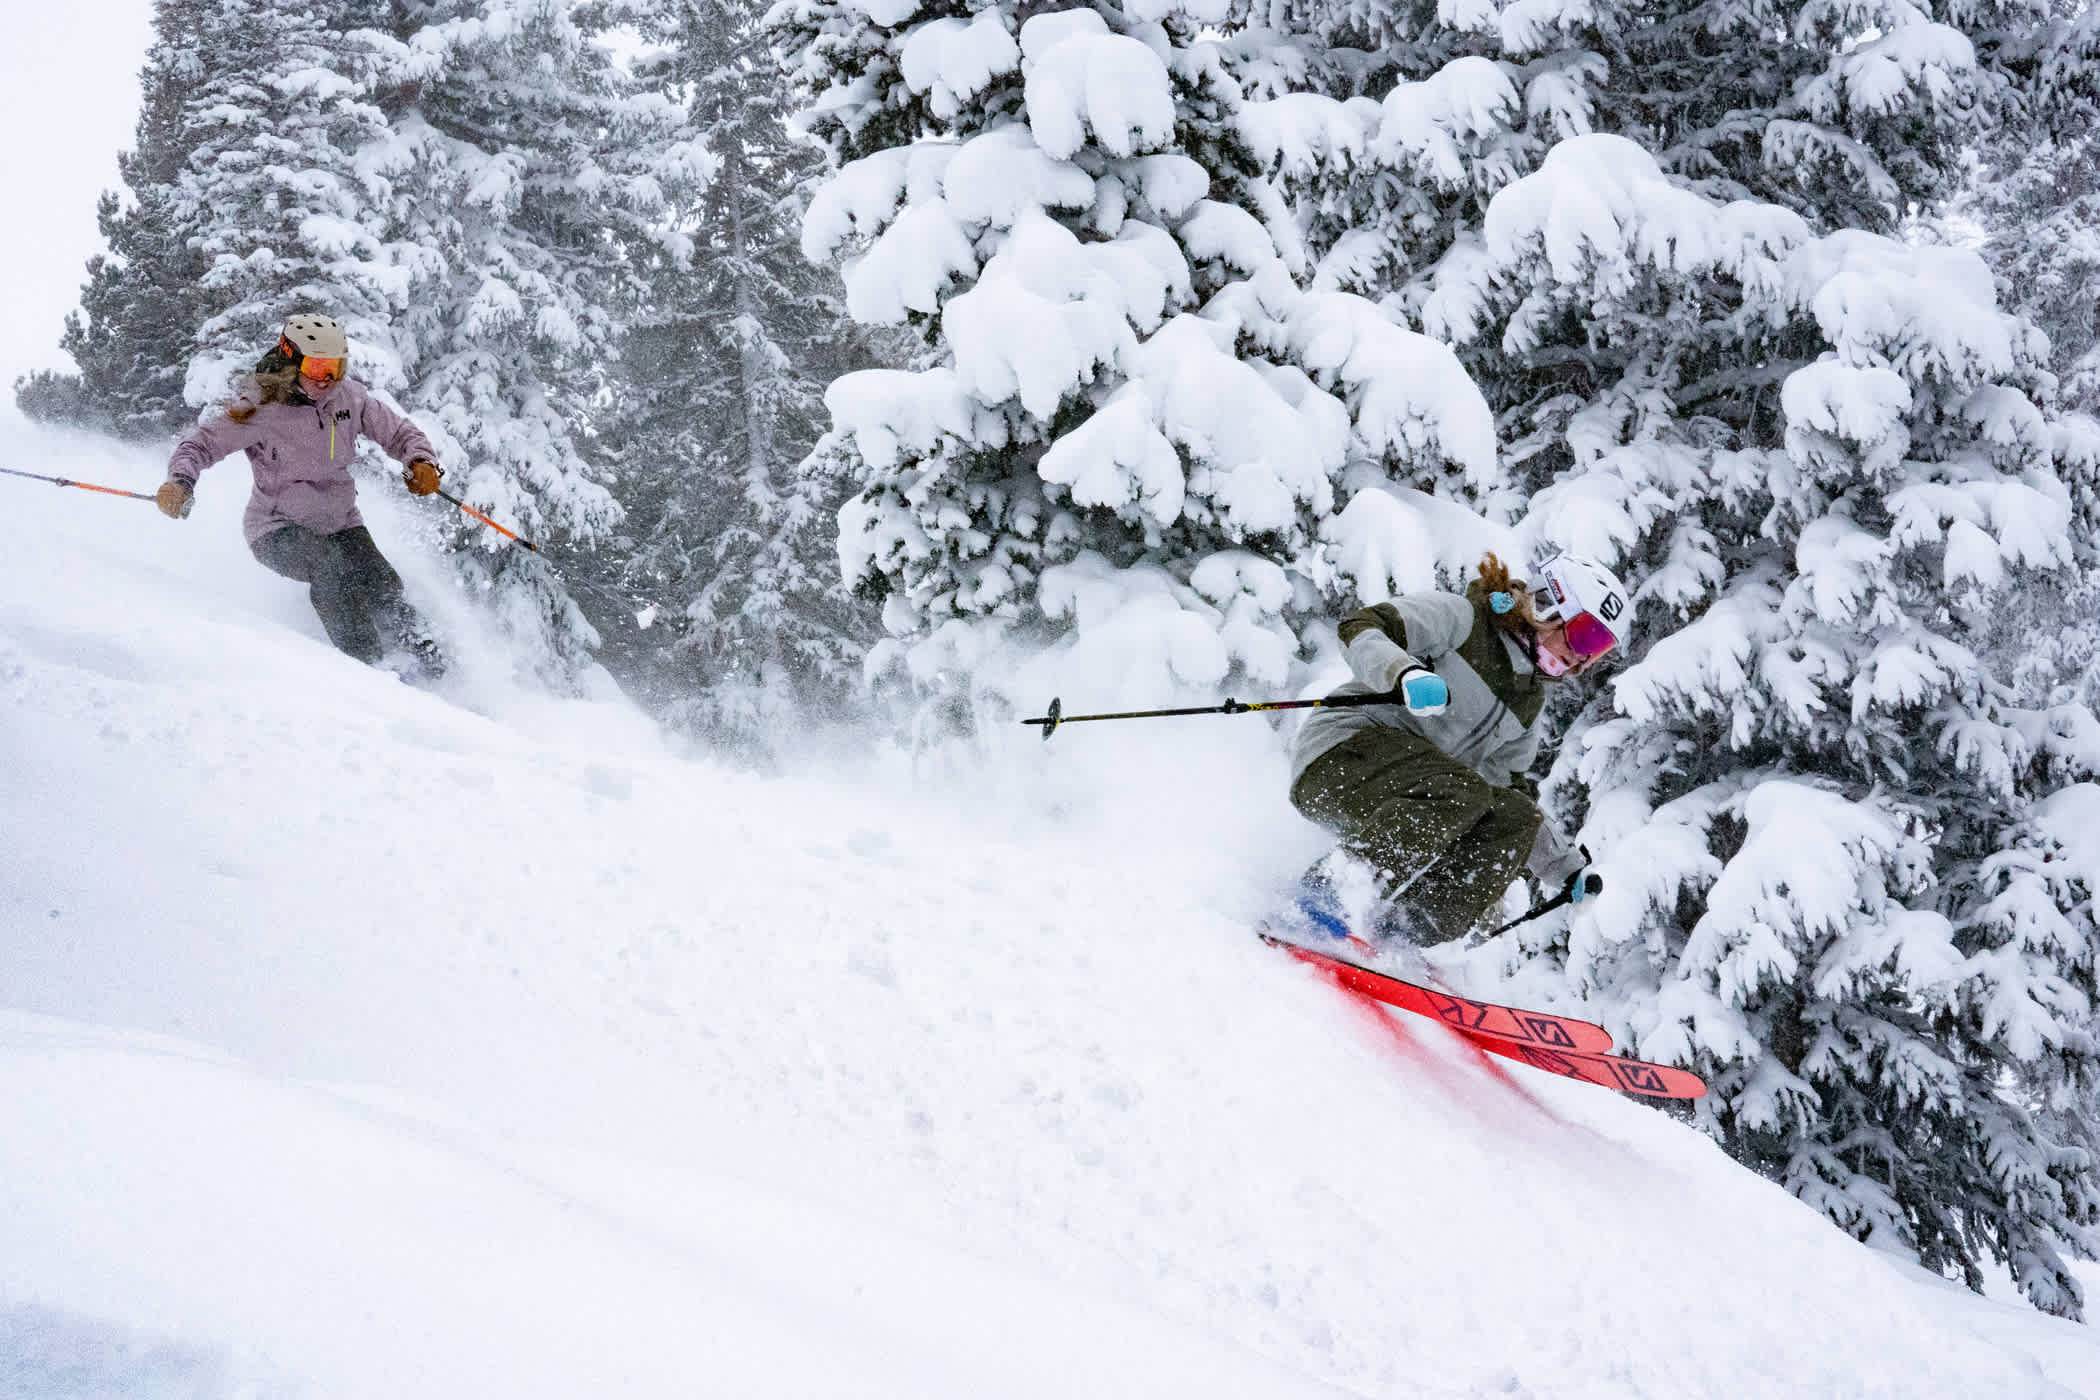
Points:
[(1496, 694)]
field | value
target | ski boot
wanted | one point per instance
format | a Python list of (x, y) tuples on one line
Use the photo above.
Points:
[(416, 659), (1316, 903), (1317, 913)]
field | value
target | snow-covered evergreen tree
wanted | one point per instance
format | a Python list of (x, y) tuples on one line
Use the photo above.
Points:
[(1816, 801), (1851, 116), (272, 191), (2044, 241), (1703, 370), (1146, 437), (2037, 195), (516, 169), (733, 546)]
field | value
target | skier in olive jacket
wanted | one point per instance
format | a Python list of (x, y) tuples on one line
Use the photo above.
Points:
[(298, 418), (1421, 789)]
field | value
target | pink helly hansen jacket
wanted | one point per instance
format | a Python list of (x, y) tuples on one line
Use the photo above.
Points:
[(301, 454)]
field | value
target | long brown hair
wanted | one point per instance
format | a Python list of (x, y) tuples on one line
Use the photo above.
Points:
[(1521, 621), (273, 380)]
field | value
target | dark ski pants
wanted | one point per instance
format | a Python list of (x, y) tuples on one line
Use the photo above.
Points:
[(354, 590), (1451, 840)]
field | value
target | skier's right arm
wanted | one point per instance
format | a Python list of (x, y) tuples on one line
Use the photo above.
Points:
[(203, 445), (1377, 639), (200, 447)]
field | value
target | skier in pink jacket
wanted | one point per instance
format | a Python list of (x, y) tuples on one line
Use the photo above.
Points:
[(298, 418)]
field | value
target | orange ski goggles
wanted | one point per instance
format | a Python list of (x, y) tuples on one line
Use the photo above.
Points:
[(322, 369)]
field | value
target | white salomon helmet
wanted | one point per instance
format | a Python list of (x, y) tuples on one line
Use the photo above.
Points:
[(1587, 597)]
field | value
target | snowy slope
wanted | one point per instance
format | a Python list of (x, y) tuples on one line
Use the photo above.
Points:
[(359, 1043)]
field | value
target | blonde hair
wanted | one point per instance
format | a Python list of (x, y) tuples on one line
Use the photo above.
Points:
[(1495, 577)]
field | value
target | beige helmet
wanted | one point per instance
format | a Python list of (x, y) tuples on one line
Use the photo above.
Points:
[(307, 333)]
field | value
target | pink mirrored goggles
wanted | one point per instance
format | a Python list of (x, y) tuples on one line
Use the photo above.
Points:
[(1587, 636)]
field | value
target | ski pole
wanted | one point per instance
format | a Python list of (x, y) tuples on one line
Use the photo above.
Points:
[(83, 485), (488, 522), (1057, 715), (1591, 884)]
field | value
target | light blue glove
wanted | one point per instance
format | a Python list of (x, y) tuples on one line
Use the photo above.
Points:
[(1584, 884), (1424, 692)]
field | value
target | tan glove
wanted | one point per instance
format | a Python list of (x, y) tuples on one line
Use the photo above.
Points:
[(174, 499), (422, 477)]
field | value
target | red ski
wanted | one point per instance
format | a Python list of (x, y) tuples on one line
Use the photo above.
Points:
[(1557, 1044), (1612, 1071), (1482, 1019)]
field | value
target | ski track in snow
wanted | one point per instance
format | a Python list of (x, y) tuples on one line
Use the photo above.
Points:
[(359, 1043)]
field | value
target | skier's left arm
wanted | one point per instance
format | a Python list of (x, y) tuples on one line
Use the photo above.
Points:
[(1554, 859), (1510, 765), (396, 434)]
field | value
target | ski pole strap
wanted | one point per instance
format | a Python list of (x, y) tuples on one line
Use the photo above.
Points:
[(1056, 716), (512, 534), (79, 485)]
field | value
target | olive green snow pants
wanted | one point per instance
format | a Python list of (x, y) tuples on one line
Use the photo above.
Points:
[(1451, 840)]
